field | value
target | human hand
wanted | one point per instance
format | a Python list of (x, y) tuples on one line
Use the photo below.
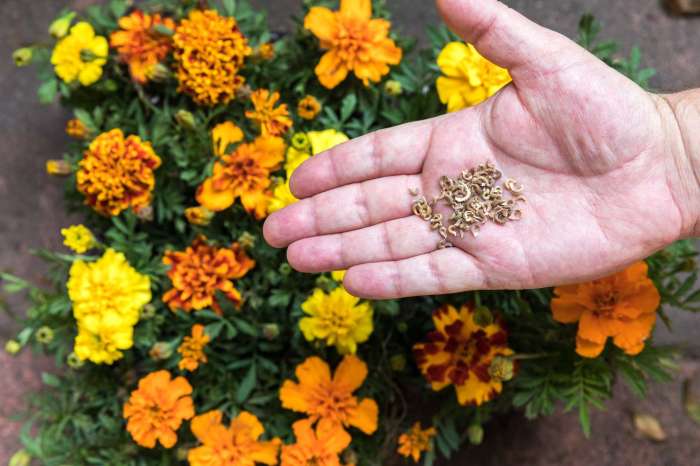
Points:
[(605, 165)]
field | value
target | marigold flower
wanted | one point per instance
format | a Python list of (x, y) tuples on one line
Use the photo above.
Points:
[(469, 78), (78, 238), (355, 42), (102, 338), (199, 215), (236, 445), (116, 173), (80, 55), (245, 173), (338, 318), (223, 135), (338, 275), (294, 159), (330, 400), (265, 51), (273, 120), (76, 129), (320, 447), (622, 306), (58, 168), (322, 141), (459, 352), (281, 197), (309, 107), (160, 351), (200, 270), (192, 349), (138, 43), (209, 51), (157, 408), (414, 442)]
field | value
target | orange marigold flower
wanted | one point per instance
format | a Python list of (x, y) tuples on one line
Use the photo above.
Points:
[(209, 51), (355, 42), (273, 121), (414, 442), (139, 44), (117, 173), (76, 129), (236, 445), (622, 306), (246, 174), (266, 51), (192, 349), (309, 107), (157, 408), (459, 352), (319, 448), (330, 400), (223, 135), (200, 270)]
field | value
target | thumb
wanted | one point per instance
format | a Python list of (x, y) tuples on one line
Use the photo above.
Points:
[(504, 36)]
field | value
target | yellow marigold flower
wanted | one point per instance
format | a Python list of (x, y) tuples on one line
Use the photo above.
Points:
[(76, 129), (155, 411), (281, 197), (245, 173), (459, 352), (322, 141), (108, 285), (192, 349), (337, 318), (238, 444), (58, 168), (295, 157), (330, 400), (80, 55), (209, 51), (355, 42), (200, 270), (78, 238), (319, 447), (414, 442), (116, 173), (101, 338), (199, 215), (273, 120), (138, 43), (309, 107), (338, 275), (469, 78), (622, 306), (223, 135)]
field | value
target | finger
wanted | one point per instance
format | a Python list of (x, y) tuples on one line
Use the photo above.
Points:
[(393, 151), (444, 271), (342, 209), (502, 34), (389, 241)]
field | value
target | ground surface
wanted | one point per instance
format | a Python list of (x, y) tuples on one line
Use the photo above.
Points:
[(32, 213)]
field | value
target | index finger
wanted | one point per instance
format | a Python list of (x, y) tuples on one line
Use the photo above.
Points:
[(394, 151)]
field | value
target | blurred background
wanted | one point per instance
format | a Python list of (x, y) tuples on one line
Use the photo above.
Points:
[(31, 209)]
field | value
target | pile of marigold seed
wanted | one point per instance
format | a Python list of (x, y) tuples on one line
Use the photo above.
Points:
[(474, 198)]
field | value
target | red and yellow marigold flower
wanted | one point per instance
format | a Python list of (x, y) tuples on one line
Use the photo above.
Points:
[(354, 42), (223, 135), (308, 108), (273, 119), (236, 445), (416, 441), (76, 129), (192, 349), (319, 447), (210, 51), (200, 270), (243, 174), (155, 411), (622, 306), (330, 401), (117, 173), (139, 44), (459, 353)]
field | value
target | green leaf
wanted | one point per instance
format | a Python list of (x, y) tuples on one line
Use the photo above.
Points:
[(247, 384), (348, 107), (50, 380), (47, 91)]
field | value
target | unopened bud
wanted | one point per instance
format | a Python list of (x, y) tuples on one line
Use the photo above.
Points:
[(476, 434), (60, 26), (325, 283), (44, 335), (23, 56), (20, 458), (110, 85), (246, 240), (144, 213), (285, 269), (244, 92), (300, 141), (74, 361), (350, 457), (393, 88), (163, 30), (160, 351), (402, 327), (148, 312), (200, 216), (76, 129), (58, 168), (265, 51), (185, 119), (483, 317), (159, 73), (13, 347), (397, 362), (502, 368), (270, 331)]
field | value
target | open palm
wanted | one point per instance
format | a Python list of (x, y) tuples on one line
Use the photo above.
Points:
[(587, 144)]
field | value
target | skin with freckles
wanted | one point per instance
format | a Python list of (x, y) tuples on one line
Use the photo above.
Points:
[(608, 169)]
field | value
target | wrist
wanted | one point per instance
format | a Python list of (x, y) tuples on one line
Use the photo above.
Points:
[(680, 115)]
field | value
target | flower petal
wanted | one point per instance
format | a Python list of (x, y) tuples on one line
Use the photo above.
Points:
[(350, 373), (364, 416)]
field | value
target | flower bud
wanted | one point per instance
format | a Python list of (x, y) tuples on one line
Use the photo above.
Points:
[(110, 85), (350, 457), (58, 167), (300, 141), (159, 73), (255, 301), (325, 283), (402, 327), (147, 312), (74, 361), (144, 213), (23, 56), (246, 240), (270, 331), (163, 30), (60, 26), (76, 129), (20, 458), (483, 316), (160, 351), (244, 92), (397, 362), (502, 368), (12, 347), (265, 51), (44, 335), (185, 119), (181, 453), (200, 216), (285, 269), (476, 434), (393, 88)]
